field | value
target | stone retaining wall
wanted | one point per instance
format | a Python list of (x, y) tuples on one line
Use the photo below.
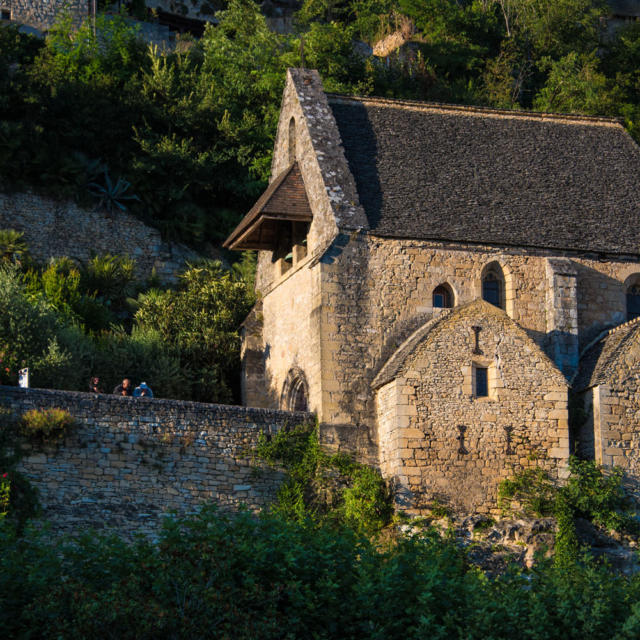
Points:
[(54, 229), (129, 461)]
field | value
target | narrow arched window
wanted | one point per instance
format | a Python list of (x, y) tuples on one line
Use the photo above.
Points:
[(292, 140), (493, 285), (442, 297), (633, 301)]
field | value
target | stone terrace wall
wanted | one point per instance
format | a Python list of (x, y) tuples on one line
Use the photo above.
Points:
[(129, 461), (42, 15), (54, 229)]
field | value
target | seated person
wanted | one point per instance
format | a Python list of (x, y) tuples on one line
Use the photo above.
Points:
[(124, 388), (143, 391)]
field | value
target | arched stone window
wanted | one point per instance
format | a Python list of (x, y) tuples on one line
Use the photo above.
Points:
[(442, 297), (292, 140), (295, 393), (493, 285), (633, 296)]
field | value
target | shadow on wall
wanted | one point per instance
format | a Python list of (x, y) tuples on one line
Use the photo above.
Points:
[(361, 150), (601, 302)]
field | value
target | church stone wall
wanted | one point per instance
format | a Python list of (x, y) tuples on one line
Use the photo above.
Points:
[(438, 441), (54, 229), (376, 291), (129, 461), (291, 334)]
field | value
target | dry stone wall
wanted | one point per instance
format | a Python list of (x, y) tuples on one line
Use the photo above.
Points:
[(53, 229), (42, 15), (129, 461)]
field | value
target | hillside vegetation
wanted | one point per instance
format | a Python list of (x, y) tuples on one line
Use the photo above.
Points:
[(105, 118)]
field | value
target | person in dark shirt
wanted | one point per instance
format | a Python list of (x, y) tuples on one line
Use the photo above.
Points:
[(94, 385), (125, 388)]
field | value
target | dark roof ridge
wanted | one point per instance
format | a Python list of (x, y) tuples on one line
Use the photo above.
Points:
[(478, 111), (506, 245)]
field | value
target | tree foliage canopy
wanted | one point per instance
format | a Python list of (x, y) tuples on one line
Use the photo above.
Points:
[(192, 131)]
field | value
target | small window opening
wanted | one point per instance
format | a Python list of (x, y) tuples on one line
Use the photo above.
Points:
[(493, 288), (5, 14), (442, 298), (481, 382), (633, 302), (292, 140)]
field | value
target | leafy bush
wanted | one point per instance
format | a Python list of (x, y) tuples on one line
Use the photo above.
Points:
[(46, 425), (247, 577), (531, 489), (13, 248), (598, 494), (5, 492), (325, 488), (19, 496), (199, 321)]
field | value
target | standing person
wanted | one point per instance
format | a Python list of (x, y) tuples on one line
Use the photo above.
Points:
[(143, 391), (94, 385), (125, 388)]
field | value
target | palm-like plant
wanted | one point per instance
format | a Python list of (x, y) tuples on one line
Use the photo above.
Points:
[(13, 249), (112, 194)]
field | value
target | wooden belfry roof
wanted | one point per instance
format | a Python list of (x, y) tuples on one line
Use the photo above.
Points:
[(285, 200)]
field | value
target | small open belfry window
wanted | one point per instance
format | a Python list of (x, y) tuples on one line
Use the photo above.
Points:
[(278, 222)]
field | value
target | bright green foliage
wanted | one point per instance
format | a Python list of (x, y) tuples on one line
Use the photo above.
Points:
[(325, 488), (26, 325), (200, 321), (13, 248), (531, 489), (598, 494), (574, 85), (46, 425)]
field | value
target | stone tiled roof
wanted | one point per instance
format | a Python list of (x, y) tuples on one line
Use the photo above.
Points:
[(600, 359), (284, 199), (467, 174)]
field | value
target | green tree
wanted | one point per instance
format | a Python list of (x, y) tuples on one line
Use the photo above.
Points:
[(200, 320)]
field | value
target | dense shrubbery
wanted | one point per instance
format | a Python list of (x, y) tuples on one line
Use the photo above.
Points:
[(68, 323), (84, 116), (320, 487), (46, 425), (246, 577)]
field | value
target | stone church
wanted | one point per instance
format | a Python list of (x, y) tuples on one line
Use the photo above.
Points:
[(437, 281)]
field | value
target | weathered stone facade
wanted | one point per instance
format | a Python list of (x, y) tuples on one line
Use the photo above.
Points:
[(129, 461), (370, 271), (437, 440), (53, 229), (607, 394)]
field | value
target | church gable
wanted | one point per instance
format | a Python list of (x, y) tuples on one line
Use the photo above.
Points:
[(472, 400)]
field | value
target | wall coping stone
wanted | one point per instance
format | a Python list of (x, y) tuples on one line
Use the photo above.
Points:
[(149, 405)]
